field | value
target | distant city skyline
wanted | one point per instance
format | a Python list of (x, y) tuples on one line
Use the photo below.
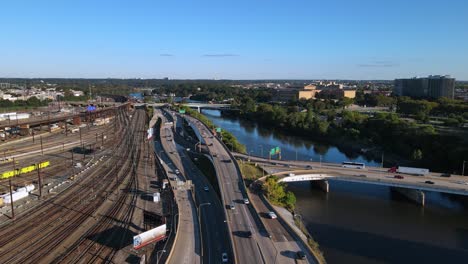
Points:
[(239, 40)]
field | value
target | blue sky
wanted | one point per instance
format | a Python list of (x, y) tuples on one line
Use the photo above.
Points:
[(241, 39)]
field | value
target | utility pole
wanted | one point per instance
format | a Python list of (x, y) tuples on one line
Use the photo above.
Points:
[(11, 197), (42, 150), (40, 183)]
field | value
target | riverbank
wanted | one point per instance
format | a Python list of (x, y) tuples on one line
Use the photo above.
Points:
[(251, 173)]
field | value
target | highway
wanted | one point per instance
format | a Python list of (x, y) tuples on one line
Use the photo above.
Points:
[(213, 227), (187, 245), (260, 248), (455, 184)]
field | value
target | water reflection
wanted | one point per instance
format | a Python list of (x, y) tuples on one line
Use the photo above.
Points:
[(259, 140), (361, 223)]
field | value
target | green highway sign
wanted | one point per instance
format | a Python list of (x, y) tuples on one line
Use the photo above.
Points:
[(218, 130), (181, 111)]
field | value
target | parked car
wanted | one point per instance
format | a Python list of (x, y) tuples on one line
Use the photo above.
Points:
[(300, 255), (272, 215), (231, 206), (246, 201), (308, 167), (248, 234), (398, 177), (206, 188), (429, 182), (224, 257), (447, 175)]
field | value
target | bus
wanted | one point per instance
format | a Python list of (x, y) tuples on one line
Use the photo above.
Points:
[(353, 165)]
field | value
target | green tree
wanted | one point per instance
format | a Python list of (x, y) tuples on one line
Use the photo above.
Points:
[(289, 200)]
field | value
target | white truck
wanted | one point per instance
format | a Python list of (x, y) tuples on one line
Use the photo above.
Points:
[(409, 170)]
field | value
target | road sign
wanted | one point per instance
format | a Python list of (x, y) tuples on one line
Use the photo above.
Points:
[(272, 151), (218, 130), (181, 111)]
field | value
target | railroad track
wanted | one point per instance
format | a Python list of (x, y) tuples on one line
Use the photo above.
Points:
[(119, 215), (48, 235)]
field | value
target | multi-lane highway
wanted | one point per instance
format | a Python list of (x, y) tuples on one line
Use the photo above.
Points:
[(260, 248), (214, 232)]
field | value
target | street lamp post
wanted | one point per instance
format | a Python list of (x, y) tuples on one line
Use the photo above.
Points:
[(261, 149), (320, 161), (199, 225)]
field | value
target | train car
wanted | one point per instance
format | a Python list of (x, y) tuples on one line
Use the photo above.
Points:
[(8, 174), (28, 169), (44, 164)]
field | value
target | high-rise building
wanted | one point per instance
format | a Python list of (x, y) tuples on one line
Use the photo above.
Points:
[(434, 86)]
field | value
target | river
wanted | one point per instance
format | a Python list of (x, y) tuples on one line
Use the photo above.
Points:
[(360, 223)]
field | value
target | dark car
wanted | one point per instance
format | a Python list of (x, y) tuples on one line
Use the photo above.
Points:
[(429, 182), (248, 234), (308, 167), (398, 177), (300, 255), (447, 175)]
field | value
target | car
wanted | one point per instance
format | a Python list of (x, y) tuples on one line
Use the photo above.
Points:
[(398, 177), (211, 144), (206, 188), (272, 215), (429, 182), (300, 255), (215, 155), (177, 171), (248, 234), (246, 201), (308, 167), (362, 175), (232, 207), (224, 257), (447, 175)]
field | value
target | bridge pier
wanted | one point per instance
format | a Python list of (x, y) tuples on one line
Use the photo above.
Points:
[(322, 185), (416, 196)]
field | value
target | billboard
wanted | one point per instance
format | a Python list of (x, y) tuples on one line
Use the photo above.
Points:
[(150, 236)]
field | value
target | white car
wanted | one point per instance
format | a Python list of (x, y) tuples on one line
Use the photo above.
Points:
[(272, 215), (206, 188), (224, 258), (246, 201)]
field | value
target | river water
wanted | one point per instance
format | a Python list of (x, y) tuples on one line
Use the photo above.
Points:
[(360, 223)]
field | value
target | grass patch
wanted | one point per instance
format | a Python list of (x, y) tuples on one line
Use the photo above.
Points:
[(206, 166), (250, 172)]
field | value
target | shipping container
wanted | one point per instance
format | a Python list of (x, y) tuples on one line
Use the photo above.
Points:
[(16, 196)]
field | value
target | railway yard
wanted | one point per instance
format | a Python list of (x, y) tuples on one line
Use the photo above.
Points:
[(88, 203)]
